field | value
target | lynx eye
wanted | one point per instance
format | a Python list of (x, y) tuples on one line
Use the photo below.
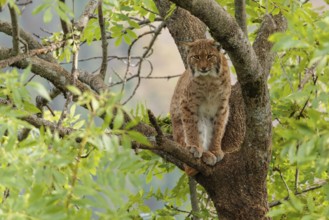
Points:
[(210, 56), (196, 57)]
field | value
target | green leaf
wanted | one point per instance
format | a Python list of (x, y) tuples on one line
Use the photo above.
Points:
[(127, 39), (74, 90), (133, 24), (140, 138), (118, 41), (39, 8), (118, 120), (47, 16), (131, 34), (29, 107), (40, 89)]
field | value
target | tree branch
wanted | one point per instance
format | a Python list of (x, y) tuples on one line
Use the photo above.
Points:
[(81, 23), (44, 50), (65, 26), (240, 15), (55, 73), (15, 29), (102, 72), (262, 46), (194, 197), (32, 43)]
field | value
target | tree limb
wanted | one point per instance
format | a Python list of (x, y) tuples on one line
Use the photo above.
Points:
[(15, 29), (101, 21), (65, 26), (262, 46), (81, 23), (240, 15), (32, 43), (44, 50), (55, 73)]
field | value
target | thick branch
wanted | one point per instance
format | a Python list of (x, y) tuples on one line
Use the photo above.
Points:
[(9, 61), (32, 43), (262, 46), (240, 15), (84, 18), (40, 122), (55, 73)]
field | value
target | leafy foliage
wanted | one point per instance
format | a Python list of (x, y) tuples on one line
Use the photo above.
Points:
[(92, 172), (299, 95)]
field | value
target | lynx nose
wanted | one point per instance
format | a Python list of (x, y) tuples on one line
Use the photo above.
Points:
[(203, 70)]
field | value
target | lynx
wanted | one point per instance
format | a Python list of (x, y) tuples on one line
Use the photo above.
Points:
[(200, 105)]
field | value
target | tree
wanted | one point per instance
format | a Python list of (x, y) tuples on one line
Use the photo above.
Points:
[(57, 165)]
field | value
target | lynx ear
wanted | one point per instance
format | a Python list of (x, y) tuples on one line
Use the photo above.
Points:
[(217, 45), (185, 44)]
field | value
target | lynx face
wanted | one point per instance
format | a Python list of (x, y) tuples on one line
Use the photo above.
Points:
[(203, 58)]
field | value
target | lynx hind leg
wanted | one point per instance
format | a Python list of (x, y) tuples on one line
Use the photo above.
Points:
[(196, 151), (211, 158)]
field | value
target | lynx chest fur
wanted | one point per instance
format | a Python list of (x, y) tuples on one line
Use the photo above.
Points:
[(199, 107)]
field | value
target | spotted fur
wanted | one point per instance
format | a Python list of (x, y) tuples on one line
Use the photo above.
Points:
[(199, 107)]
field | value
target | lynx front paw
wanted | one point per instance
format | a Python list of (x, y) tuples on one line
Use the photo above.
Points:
[(196, 151), (211, 158), (219, 155)]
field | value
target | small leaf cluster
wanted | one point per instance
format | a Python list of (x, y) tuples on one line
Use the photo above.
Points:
[(91, 171), (121, 20)]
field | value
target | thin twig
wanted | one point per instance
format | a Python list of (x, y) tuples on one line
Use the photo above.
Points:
[(287, 76), (6, 194), (283, 180), (279, 202), (146, 54), (160, 77), (75, 73), (194, 197), (296, 173), (129, 58), (308, 74), (154, 123), (176, 209)]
